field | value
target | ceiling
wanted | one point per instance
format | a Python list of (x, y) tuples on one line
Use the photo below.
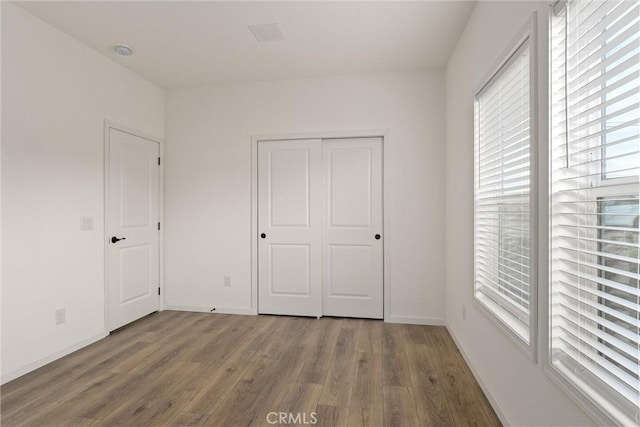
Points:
[(185, 43)]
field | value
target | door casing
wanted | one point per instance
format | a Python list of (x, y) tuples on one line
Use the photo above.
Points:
[(112, 125), (384, 134)]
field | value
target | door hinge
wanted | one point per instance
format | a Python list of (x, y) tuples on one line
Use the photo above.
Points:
[(158, 226), (158, 161), (158, 290)]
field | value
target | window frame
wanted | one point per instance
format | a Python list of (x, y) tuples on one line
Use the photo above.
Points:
[(604, 413), (527, 34)]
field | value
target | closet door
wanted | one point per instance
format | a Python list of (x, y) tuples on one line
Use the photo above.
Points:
[(352, 228), (290, 227)]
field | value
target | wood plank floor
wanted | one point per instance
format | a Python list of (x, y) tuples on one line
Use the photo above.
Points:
[(184, 369)]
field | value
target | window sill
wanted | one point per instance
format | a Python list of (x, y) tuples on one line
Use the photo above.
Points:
[(575, 386), (515, 334)]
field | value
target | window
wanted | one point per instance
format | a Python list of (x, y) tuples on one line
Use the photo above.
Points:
[(504, 248), (595, 171)]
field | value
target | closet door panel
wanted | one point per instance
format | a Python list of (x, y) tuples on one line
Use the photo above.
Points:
[(289, 227), (352, 228)]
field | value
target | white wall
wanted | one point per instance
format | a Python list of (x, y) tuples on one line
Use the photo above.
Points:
[(56, 94), (518, 388), (208, 188)]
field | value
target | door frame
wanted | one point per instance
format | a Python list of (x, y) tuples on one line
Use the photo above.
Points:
[(108, 125), (386, 245)]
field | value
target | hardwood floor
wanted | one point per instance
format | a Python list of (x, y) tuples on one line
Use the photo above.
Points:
[(179, 368)]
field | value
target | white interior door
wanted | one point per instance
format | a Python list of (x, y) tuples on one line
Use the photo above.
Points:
[(352, 231), (132, 225), (289, 227)]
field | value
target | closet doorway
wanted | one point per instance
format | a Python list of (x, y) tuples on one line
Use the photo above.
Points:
[(320, 227)]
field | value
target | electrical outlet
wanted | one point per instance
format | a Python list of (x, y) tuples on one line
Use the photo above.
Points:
[(60, 316), (464, 312), (227, 281)]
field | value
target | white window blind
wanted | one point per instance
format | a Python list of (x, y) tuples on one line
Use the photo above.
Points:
[(503, 231), (595, 168)]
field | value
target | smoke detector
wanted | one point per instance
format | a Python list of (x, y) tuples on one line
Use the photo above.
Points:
[(267, 32)]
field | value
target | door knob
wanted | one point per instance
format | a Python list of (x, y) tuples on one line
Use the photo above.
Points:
[(377, 236), (263, 235), (114, 239)]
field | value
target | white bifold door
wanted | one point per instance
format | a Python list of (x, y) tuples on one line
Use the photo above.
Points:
[(132, 226), (320, 248)]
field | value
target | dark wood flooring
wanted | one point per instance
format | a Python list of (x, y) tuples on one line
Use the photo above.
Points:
[(179, 368)]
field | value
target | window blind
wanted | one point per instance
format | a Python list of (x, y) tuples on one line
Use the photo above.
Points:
[(503, 261), (595, 168)]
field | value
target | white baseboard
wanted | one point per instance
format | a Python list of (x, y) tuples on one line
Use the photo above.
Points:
[(414, 320), (32, 366), (483, 385), (200, 309)]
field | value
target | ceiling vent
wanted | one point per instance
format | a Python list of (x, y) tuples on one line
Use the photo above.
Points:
[(267, 32)]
